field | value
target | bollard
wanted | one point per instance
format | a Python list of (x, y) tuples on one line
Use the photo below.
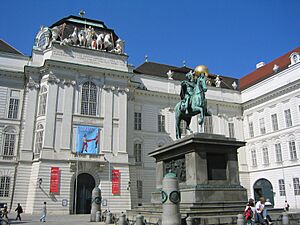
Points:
[(139, 220), (240, 219), (96, 202), (170, 200), (98, 216), (108, 219), (189, 221), (285, 218), (122, 219)]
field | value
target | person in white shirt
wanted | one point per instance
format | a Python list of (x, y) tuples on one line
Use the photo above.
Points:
[(261, 212)]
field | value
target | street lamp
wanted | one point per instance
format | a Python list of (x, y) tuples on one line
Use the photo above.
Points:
[(109, 180)]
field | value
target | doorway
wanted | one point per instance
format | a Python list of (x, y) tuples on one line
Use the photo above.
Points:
[(263, 188), (85, 186)]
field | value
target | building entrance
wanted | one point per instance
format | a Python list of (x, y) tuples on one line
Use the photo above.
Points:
[(85, 186), (263, 188)]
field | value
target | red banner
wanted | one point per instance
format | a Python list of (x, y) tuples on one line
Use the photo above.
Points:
[(54, 180), (115, 182)]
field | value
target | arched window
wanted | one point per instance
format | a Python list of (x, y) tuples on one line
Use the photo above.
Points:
[(89, 98), (39, 138), (43, 101), (4, 186), (9, 141)]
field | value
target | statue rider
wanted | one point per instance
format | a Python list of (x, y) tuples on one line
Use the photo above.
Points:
[(187, 90)]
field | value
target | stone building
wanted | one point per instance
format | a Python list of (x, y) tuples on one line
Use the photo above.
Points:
[(78, 77)]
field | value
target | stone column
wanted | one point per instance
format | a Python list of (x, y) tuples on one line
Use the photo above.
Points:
[(170, 200), (96, 203)]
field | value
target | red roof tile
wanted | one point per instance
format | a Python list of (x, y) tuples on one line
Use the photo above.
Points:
[(267, 70)]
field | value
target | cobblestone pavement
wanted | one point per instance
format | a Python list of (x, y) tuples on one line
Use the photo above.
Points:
[(53, 219)]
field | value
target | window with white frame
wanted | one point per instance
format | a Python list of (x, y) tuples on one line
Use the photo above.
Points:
[(43, 101), (208, 124), (231, 130), (183, 127), (13, 106), (138, 152), (9, 143), (293, 150), (253, 157), (265, 155), (161, 123), (4, 186), (288, 118), (39, 139), (296, 186), (251, 130), (139, 186), (262, 126), (278, 152), (274, 122), (281, 187), (89, 98)]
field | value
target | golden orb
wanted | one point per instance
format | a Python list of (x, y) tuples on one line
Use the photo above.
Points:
[(201, 69)]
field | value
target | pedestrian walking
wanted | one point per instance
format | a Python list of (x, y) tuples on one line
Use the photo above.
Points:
[(5, 212), (19, 210), (44, 213), (286, 206)]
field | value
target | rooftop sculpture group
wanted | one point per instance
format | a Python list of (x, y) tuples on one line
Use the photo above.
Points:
[(85, 37)]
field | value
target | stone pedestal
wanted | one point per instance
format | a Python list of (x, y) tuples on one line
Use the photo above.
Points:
[(206, 166)]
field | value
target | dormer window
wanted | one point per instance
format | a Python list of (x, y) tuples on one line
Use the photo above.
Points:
[(295, 58)]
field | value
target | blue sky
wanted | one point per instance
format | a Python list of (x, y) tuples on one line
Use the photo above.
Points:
[(229, 36)]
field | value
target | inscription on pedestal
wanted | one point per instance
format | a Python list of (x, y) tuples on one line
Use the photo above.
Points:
[(176, 166)]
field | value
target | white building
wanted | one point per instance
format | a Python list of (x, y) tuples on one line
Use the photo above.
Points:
[(64, 85)]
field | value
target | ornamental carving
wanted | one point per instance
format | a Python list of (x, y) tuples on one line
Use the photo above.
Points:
[(32, 84), (85, 37), (178, 167)]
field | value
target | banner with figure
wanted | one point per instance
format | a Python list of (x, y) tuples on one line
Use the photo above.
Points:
[(87, 140)]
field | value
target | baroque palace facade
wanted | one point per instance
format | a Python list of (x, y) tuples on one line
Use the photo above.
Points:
[(76, 115)]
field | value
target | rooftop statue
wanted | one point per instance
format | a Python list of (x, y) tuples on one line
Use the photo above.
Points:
[(193, 100)]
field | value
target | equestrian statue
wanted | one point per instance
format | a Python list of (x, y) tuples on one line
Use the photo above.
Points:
[(193, 100)]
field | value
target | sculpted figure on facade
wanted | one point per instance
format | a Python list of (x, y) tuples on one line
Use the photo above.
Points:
[(82, 37), (218, 81), (100, 41), (107, 42), (119, 49), (193, 101)]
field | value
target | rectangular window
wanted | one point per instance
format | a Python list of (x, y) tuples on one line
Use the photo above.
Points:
[(253, 156), (183, 127), (161, 123), (251, 131), (208, 125), (139, 185), (138, 152), (13, 104), (281, 187), (296, 186), (293, 151), (4, 186), (231, 130), (288, 118), (262, 126), (9, 146), (265, 155), (278, 152), (138, 121), (274, 122)]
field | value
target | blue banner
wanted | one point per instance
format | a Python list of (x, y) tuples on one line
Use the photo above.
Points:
[(87, 140)]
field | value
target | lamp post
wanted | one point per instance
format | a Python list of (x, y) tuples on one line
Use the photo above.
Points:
[(76, 183), (109, 182)]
